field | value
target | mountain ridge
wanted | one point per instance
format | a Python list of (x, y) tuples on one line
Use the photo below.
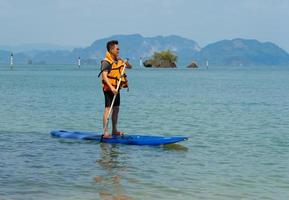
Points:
[(238, 51)]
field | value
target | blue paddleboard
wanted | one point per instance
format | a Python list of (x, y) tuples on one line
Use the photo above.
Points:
[(126, 139)]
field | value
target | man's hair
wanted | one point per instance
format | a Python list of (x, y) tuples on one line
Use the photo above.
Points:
[(110, 44)]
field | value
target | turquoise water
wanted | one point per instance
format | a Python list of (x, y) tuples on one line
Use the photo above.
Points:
[(236, 118)]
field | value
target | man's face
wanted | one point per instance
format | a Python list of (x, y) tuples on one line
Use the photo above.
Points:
[(115, 50)]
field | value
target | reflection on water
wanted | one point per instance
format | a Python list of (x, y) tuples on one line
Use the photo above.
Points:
[(176, 147), (109, 185), (109, 158)]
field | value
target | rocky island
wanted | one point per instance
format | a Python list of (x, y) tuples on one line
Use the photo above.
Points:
[(163, 59), (194, 64)]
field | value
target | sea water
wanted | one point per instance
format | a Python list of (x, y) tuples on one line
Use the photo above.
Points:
[(237, 120)]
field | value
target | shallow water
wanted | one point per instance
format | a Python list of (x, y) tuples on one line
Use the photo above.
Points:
[(236, 118)]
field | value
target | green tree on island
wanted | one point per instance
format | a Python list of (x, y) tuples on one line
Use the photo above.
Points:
[(165, 56), (162, 59)]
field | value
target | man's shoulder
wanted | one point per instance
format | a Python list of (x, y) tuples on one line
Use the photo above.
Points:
[(105, 65), (105, 62)]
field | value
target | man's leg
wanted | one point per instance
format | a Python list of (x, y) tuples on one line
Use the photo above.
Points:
[(114, 118), (105, 117)]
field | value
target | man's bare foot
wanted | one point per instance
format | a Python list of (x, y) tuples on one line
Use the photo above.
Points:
[(118, 133), (106, 136)]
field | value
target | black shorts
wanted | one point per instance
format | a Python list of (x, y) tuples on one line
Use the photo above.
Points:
[(108, 97)]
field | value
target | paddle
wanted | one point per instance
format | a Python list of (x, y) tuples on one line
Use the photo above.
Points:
[(114, 97)]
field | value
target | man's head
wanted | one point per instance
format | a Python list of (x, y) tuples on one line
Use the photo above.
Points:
[(112, 48)]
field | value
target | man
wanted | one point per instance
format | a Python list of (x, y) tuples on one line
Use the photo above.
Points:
[(111, 68)]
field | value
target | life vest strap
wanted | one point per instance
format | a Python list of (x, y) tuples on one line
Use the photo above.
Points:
[(111, 77), (101, 72), (117, 68)]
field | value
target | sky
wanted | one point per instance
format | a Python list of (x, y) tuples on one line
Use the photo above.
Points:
[(81, 22)]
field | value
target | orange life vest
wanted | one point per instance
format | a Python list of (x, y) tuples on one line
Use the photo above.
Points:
[(114, 75)]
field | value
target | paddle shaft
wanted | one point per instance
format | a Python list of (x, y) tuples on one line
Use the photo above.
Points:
[(114, 97)]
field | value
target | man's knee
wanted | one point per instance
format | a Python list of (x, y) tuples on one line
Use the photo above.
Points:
[(106, 110), (116, 109)]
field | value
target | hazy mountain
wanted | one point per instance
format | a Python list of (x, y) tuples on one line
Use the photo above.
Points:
[(35, 47), (132, 46), (5, 56), (243, 52), (17, 58), (225, 52), (135, 47)]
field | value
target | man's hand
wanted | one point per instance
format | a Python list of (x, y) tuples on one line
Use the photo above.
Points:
[(114, 91), (128, 65)]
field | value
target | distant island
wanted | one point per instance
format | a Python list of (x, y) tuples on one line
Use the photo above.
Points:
[(236, 52), (163, 59)]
